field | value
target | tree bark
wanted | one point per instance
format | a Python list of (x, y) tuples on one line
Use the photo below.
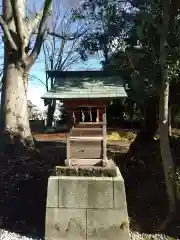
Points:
[(149, 127), (170, 120), (168, 164), (50, 112), (14, 112), (150, 123), (18, 59)]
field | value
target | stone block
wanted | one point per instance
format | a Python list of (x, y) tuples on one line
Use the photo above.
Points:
[(52, 192), (72, 192), (119, 192), (85, 192), (65, 224), (107, 224), (100, 193)]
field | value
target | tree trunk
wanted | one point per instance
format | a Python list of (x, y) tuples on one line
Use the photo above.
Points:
[(149, 127), (168, 164), (150, 124), (18, 59), (14, 112), (50, 113), (169, 122)]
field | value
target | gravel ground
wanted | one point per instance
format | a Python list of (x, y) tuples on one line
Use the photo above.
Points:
[(5, 235), (143, 236)]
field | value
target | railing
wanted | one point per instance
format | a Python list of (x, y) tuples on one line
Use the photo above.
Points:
[(88, 114), (87, 125)]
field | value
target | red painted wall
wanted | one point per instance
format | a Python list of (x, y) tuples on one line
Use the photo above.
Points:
[(86, 102), (101, 104)]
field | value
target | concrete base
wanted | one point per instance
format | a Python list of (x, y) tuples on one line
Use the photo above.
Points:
[(86, 208)]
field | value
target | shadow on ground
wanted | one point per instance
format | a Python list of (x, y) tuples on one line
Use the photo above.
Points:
[(144, 180), (23, 189)]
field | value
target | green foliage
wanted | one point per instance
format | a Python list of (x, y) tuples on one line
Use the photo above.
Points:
[(147, 29), (130, 42), (141, 58), (107, 21)]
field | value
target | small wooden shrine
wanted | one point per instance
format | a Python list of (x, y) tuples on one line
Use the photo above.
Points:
[(86, 95)]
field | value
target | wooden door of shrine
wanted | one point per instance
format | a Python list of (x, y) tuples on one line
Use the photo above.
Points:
[(86, 138)]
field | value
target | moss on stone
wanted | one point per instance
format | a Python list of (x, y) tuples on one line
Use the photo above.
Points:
[(85, 171)]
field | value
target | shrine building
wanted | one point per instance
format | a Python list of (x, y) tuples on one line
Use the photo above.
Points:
[(85, 95)]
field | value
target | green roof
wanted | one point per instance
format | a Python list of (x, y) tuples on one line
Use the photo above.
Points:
[(85, 85)]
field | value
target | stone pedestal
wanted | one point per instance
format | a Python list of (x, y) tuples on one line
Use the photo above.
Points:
[(86, 208)]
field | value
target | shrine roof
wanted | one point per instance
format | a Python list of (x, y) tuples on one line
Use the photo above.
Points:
[(85, 85)]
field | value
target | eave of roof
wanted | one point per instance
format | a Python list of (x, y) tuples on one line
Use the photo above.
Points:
[(91, 73), (86, 85)]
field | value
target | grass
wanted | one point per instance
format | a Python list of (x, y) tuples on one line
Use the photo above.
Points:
[(121, 135)]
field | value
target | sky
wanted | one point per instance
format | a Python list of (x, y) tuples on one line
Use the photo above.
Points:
[(36, 88)]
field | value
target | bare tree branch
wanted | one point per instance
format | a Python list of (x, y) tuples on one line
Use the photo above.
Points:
[(59, 60), (19, 24), (68, 37), (60, 50), (41, 34), (45, 57), (18, 18), (46, 66), (70, 52), (33, 23), (61, 44), (7, 34), (36, 78), (70, 63)]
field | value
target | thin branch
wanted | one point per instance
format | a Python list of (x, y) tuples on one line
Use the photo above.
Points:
[(46, 66), (59, 23), (45, 58), (71, 51), (7, 34), (33, 23), (62, 36), (49, 55), (66, 37), (41, 34), (60, 55), (69, 63), (32, 76)]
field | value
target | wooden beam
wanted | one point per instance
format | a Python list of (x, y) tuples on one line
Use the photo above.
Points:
[(105, 161), (91, 73), (68, 162), (74, 117), (90, 114), (68, 147)]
